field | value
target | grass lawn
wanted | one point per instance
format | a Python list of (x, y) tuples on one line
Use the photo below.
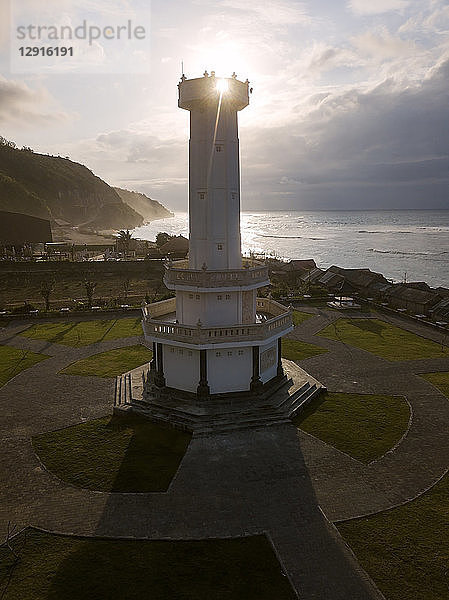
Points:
[(405, 550), (383, 339), (439, 380), (111, 363), (53, 567), (114, 454), (364, 426), (14, 360), (299, 317), (83, 333), (297, 350)]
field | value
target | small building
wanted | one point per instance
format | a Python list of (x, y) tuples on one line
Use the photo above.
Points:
[(414, 300), (300, 266), (334, 282), (18, 230), (176, 247), (440, 311)]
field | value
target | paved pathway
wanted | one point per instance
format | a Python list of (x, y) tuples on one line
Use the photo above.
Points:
[(416, 463), (270, 480)]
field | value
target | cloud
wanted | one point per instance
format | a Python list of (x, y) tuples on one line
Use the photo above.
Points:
[(22, 105), (274, 12), (376, 146), (323, 58), (135, 147), (139, 161), (383, 45), (365, 7), (386, 147)]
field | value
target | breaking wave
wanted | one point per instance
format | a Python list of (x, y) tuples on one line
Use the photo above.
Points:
[(404, 253), (386, 232), (289, 237)]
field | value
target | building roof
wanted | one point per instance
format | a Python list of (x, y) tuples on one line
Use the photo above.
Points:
[(306, 264), (359, 278), (442, 291), (330, 278), (406, 293), (176, 244), (313, 275), (18, 229), (379, 286)]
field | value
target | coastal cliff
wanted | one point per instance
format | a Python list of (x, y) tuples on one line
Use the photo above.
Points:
[(150, 209), (58, 189)]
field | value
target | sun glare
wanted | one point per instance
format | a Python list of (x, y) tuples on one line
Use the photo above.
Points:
[(222, 86)]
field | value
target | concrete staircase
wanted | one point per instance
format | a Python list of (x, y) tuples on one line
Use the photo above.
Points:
[(222, 415)]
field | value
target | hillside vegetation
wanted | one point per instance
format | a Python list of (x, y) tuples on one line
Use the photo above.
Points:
[(148, 208), (53, 187)]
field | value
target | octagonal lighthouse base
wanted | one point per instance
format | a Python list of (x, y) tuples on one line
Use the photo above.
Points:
[(277, 403)]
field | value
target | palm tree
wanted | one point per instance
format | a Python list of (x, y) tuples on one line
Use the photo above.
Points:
[(124, 238), (162, 238)]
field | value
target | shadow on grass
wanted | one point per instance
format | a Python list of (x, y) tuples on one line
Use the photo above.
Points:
[(105, 321), (235, 483), (160, 570), (57, 338), (81, 332), (148, 467), (252, 486), (118, 454), (370, 325), (25, 359)]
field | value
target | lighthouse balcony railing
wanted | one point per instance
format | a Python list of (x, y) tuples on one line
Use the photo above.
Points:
[(178, 274), (159, 309), (198, 334)]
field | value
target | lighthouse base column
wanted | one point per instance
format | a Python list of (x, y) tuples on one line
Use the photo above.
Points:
[(256, 385), (203, 390), (280, 370), (159, 378)]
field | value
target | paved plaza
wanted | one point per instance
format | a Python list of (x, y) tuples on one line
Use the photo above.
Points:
[(273, 480)]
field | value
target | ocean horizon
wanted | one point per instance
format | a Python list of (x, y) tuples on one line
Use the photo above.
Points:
[(403, 245)]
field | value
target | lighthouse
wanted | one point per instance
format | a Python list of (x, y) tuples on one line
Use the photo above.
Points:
[(216, 339)]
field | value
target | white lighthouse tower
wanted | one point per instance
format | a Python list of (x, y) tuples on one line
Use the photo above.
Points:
[(216, 339)]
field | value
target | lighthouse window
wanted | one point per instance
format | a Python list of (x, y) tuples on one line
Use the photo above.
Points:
[(219, 246), (191, 296), (217, 353), (229, 353), (172, 349), (218, 148), (240, 352), (219, 297), (197, 296), (201, 195), (228, 296)]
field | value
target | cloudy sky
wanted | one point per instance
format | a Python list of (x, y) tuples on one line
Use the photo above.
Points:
[(350, 107)]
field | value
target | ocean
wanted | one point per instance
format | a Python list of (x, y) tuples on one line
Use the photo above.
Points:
[(410, 245)]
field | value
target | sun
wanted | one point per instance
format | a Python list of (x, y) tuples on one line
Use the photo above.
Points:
[(222, 86)]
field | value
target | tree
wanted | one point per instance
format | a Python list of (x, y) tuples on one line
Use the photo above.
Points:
[(7, 143), (47, 288), (124, 239), (126, 287), (162, 238), (89, 286)]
